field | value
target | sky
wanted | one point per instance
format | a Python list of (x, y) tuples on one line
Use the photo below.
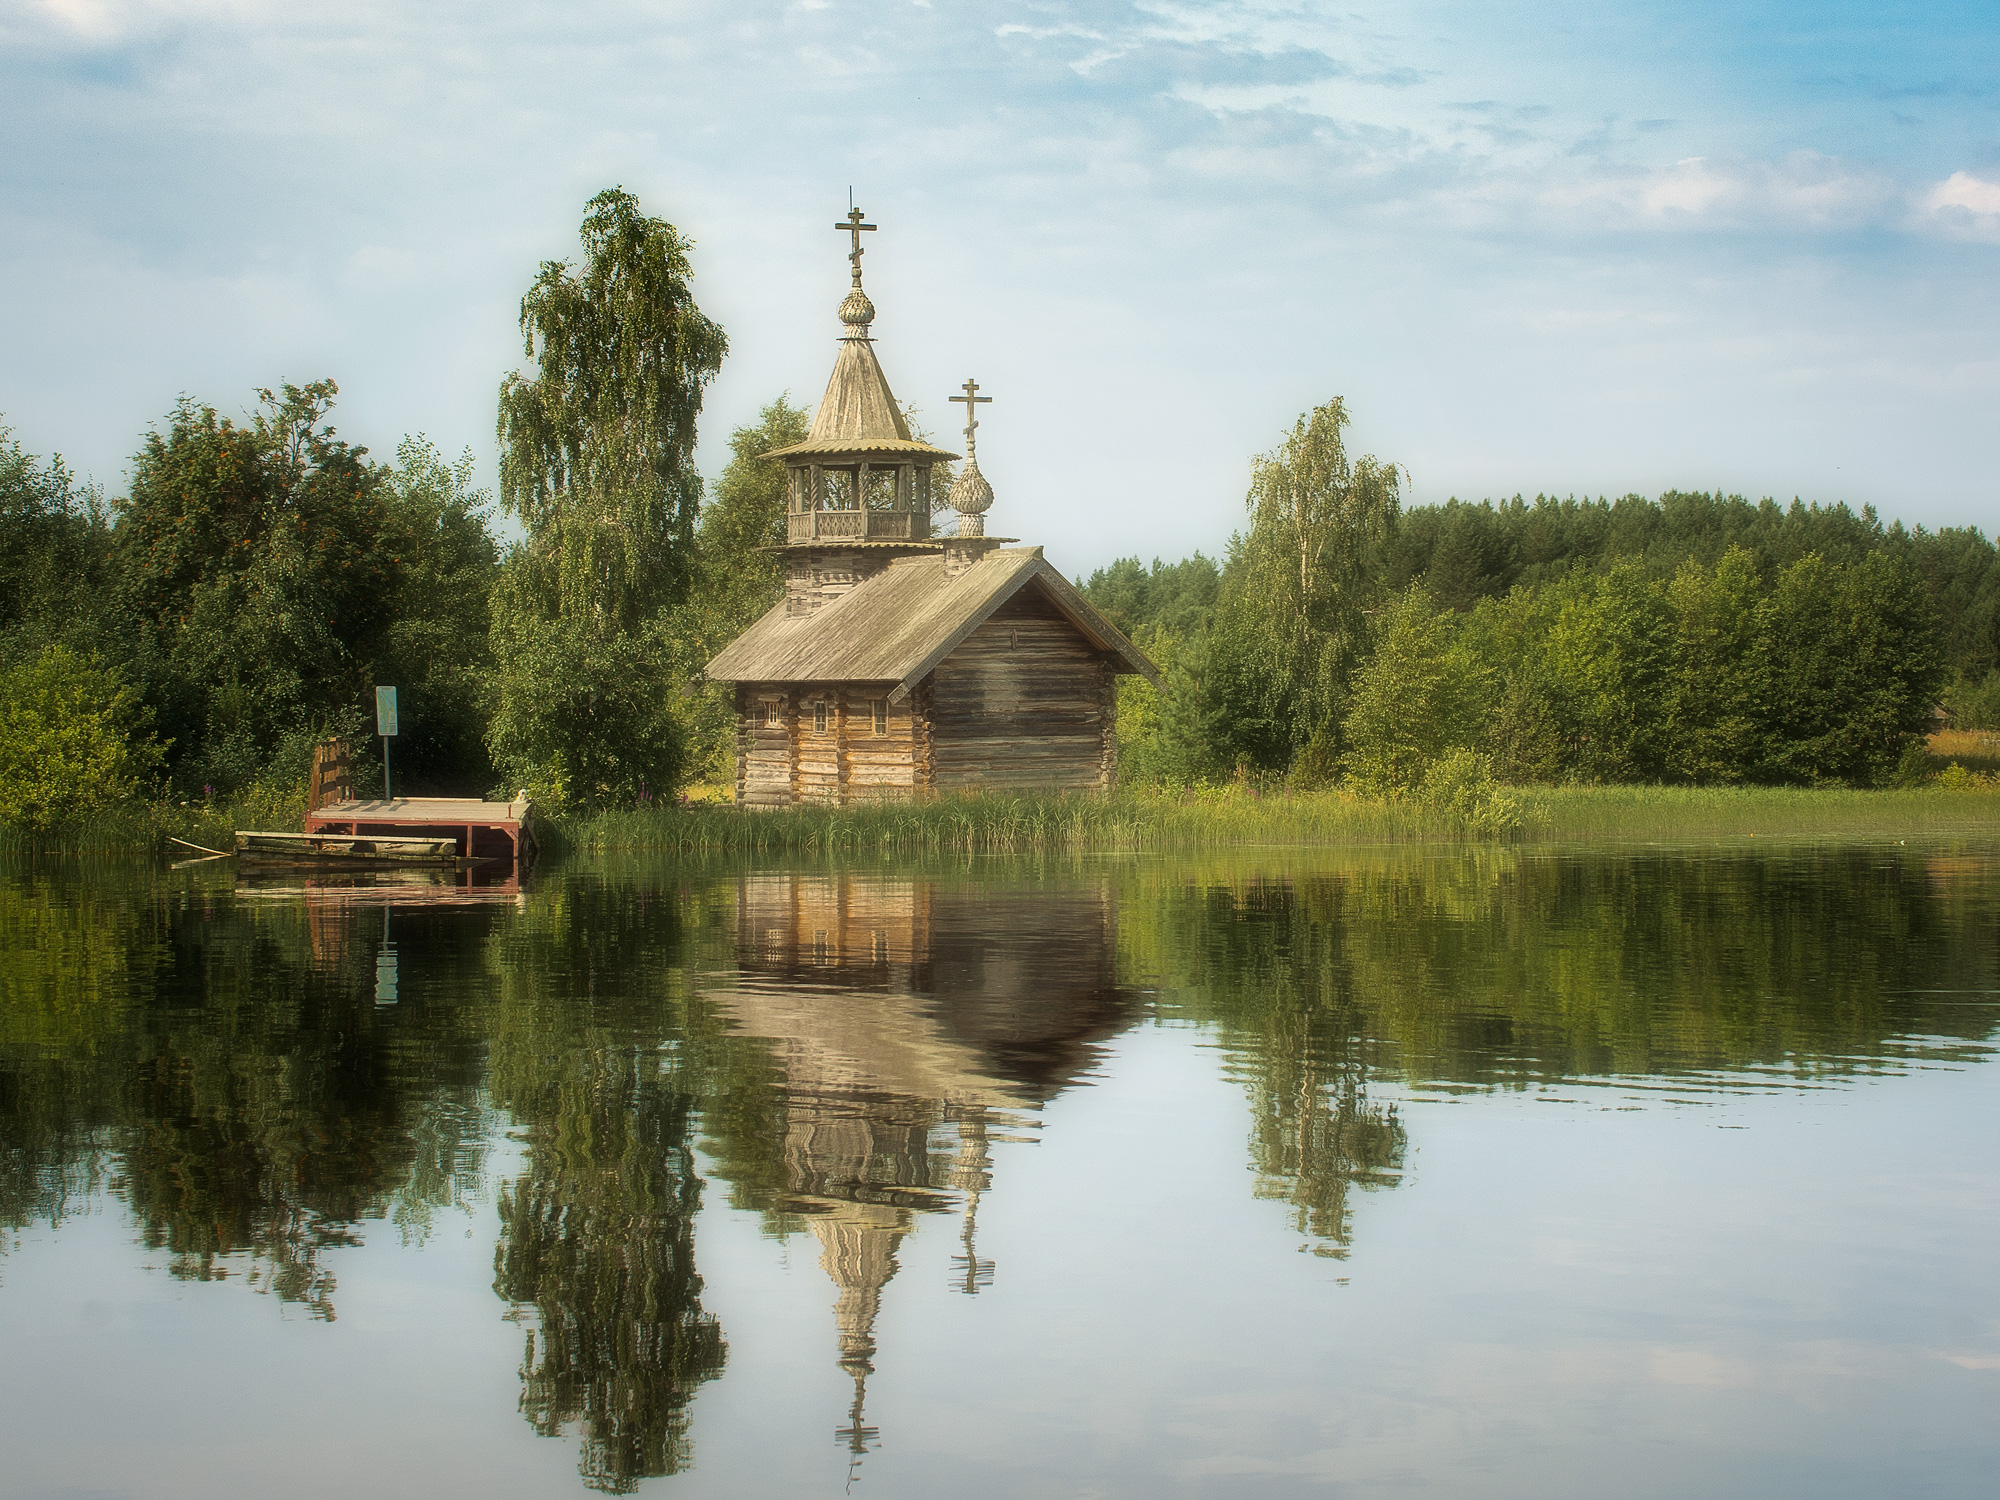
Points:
[(1568, 248)]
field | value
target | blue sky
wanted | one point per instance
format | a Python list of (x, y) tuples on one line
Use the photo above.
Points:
[(1567, 247)]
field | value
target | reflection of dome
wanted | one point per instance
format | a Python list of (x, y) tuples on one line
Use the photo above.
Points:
[(895, 1008), (856, 310)]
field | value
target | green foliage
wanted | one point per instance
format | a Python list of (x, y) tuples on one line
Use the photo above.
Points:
[(54, 549), (1460, 784), (1712, 730), (260, 568), (1414, 697), (73, 741), (597, 448), (597, 462), (585, 718), (1973, 703), (1290, 621), (439, 650), (1848, 666), (1174, 598), (735, 582)]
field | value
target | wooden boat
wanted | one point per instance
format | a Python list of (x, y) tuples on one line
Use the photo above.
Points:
[(352, 850)]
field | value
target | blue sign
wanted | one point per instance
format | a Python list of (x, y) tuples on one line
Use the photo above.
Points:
[(385, 711)]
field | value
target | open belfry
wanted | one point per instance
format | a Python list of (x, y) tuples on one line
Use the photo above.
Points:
[(899, 664)]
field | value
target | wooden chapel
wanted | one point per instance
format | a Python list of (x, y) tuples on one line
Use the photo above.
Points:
[(899, 664)]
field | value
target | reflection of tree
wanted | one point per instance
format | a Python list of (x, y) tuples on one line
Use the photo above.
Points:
[(597, 1235), (67, 951), (1278, 991), (1510, 968), (1315, 1135), (232, 1080)]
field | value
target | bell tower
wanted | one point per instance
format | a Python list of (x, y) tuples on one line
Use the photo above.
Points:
[(859, 488)]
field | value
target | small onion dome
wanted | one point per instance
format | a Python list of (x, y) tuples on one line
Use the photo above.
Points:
[(970, 493), (857, 311)]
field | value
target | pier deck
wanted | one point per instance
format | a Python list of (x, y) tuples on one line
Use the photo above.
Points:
[(481, 828)]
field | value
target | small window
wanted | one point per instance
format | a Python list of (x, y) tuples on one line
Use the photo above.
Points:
[(774, 712), (819, 717), (881, 707)]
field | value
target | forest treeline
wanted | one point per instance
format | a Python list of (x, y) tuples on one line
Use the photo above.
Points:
[(1696, 639), (193, 638)]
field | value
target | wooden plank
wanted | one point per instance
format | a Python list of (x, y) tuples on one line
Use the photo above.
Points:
[(895, 625)]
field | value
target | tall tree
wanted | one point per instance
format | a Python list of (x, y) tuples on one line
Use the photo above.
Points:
[(54, 555), (736, 578), (597, 449), (261, 568), (439, 649), (1848, 666), (597, 463), (1293, 612)]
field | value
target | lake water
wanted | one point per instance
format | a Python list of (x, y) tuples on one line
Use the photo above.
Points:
[(1366, 1172)]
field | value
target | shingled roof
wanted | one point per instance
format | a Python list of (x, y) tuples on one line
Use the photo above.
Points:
[(858, 415), (898, 625)]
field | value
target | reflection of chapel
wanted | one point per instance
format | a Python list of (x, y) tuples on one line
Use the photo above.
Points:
[(898, 664), (898, 1008)]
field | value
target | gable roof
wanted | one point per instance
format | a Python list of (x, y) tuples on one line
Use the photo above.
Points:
[(897, 626)]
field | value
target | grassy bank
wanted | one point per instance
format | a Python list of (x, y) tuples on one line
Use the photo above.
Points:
[(143, 826), (1147, 822), (1143, 822)]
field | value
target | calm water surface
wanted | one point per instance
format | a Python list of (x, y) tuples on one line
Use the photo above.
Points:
[(1360, 1173)]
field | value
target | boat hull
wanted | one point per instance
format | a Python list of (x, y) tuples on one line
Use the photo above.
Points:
[(343, 849)]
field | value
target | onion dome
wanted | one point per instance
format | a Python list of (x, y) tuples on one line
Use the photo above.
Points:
[(857, 312), (971, 496)]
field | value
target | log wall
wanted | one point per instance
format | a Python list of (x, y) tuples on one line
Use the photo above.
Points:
[(847, 762), (1024, 701), (764, 759)]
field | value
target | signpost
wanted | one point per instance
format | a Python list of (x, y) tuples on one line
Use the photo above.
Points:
[(385, 725)]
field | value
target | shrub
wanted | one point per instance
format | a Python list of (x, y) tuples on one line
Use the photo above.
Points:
[(74, 740), (1460, 784)]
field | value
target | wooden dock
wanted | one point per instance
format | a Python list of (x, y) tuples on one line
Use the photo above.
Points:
[(481, 829)]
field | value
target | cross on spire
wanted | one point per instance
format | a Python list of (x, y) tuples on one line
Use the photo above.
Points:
[(852, 225), (971, 398)]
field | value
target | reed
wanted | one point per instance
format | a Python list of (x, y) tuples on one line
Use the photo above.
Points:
[(136, 826), (1143, 822)]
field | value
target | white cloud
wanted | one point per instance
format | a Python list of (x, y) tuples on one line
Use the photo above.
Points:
[(1963, 206), (1963, 190)]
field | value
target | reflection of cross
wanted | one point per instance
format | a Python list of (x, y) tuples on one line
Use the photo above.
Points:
[(860, 1437), (971, 398), (853, 225)]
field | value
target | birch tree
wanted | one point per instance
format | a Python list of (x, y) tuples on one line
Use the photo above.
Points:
[(1307, 573), (597, 463), (597, 447)]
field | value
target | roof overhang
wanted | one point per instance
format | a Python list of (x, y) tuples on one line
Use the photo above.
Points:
[(857, 449), (1060, 592)]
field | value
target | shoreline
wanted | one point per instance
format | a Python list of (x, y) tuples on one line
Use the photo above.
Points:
[(1147, 822)]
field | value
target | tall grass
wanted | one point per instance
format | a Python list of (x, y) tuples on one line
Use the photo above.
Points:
[(1141, 822), (135, 826), (1000, 824)]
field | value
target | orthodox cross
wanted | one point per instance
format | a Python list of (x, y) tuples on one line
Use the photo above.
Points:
[(852, 225), (971, 398)]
